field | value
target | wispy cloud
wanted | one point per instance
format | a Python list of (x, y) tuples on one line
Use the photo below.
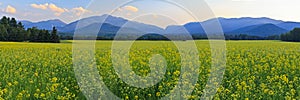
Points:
[(10, 9), (0, 3)]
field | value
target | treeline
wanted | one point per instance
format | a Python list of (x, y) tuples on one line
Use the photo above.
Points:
[(250, 37), (11, 30), (292, 36), (167, 37)]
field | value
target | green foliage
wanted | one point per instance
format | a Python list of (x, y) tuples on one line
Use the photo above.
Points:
[(11, 30), (293, 36), (54, 36)]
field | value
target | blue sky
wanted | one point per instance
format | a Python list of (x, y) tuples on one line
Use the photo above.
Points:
[(147, 11)]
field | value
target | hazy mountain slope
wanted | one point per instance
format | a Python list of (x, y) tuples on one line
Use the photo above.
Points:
[(115, 21), (44, 24), (260, 30), (289, 25)]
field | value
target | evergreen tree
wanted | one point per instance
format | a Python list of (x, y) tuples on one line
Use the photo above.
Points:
[(33, 36), (54, 36), (5, 21), (293, 35), (11, 30), (3, 33), (13, 23)]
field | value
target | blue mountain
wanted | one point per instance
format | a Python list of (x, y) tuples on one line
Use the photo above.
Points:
[(112, 20), (44, 24), (229, 24), (106, 29), (246, 25), (289, 25), (262, 30)]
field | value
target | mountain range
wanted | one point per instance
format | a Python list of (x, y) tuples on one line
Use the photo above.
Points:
[(262, 27), (44, 24)]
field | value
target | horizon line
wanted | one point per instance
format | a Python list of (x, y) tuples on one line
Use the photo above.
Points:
[(218, 17)]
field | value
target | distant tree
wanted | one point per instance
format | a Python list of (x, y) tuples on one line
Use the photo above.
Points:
[(13, 23), (54, 36), (3, 33), (4, 21), (46, 36), (11, 30), (293, 36), (33, 34), (273, 37), (20, 35)]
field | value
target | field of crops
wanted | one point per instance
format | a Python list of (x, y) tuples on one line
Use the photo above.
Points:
[(254, 70)]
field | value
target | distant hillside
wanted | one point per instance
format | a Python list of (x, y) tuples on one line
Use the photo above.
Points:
[(262, 30), (106, 29), (230, 25), (115, 21), (175, 29), (289, 25), (44, 24)]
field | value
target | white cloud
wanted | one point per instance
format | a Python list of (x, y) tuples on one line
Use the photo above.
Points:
[(131, 8), (57, 10), (0, 3), (79, 10), (40, 6), (10, 9)]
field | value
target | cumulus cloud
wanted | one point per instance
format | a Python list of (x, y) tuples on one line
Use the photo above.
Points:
[(40, 6), (10, 9), (79, 10), (0, 3), (131, 8), (57, 10)]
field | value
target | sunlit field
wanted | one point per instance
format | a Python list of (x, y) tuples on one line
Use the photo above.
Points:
[(254, 70)]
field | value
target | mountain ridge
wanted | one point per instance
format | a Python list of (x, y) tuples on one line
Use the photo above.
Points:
[(229, 25), (48, 24)]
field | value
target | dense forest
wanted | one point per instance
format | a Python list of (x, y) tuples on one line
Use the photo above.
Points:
[(11, 30), (293, 36)]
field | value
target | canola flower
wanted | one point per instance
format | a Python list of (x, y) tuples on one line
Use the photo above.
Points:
[(255, 70)]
